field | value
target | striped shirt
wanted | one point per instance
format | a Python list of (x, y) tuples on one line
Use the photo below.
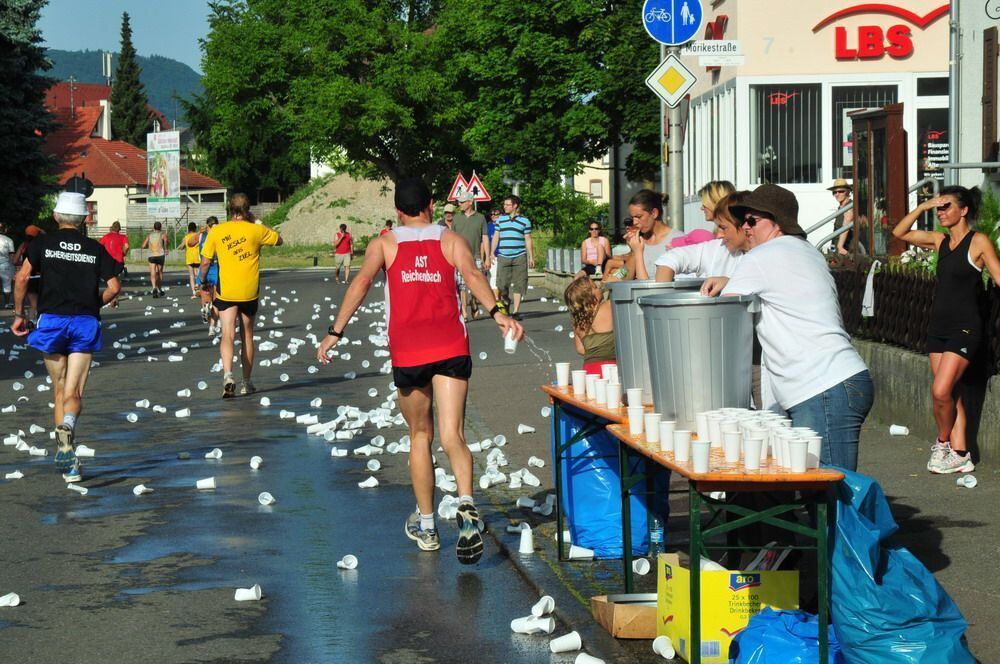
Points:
[(512, 233)]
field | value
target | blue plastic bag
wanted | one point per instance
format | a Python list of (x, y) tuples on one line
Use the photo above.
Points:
[(591, 492), (785, 637), (886, 606)]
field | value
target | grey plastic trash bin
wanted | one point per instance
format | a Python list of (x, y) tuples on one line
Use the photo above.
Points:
[(630, 334), (700, 351)]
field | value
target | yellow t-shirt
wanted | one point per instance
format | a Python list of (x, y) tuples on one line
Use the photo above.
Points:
[(191, 255), (237, 245)]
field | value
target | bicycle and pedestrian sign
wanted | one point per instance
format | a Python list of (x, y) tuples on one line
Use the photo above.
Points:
[(672, 22)]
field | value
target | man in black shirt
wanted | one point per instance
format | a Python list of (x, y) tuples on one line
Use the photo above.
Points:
[(71, 267)]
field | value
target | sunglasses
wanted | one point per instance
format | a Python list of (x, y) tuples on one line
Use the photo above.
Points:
[(751, 218), (943, 207), (840, 191), (594, 228)]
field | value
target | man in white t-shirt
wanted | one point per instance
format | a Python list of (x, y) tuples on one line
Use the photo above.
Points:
[(6, 266), (812, 368)]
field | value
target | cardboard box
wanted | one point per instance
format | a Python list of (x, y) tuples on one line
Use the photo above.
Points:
[(728, 600), (626, 616)]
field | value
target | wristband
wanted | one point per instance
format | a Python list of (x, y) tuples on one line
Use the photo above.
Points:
[(333, 332), (494, 311), (19, 315)]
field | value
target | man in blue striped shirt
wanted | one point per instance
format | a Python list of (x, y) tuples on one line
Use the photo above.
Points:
[(515, 254)]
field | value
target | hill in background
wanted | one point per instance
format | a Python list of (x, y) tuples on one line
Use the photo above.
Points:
[(163, 78)]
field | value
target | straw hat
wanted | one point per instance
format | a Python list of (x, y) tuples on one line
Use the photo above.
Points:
[(840, 183)]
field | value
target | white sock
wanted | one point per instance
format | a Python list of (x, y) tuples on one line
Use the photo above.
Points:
[(465, 500), (427, 521), (69, 419)]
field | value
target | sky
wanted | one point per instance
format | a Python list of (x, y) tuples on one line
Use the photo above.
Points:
[(171, 29)]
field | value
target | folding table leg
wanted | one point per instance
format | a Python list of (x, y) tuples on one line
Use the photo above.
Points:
[(822, 575), (694, 646), (623, 474)]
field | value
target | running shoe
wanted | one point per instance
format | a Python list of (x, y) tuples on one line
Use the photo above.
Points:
[(469, 547), (953, 462), (938, 452), (205, 312), (247, 387), (228, 387), (64, 437), (427, 540), (73, 474), (156, 293)]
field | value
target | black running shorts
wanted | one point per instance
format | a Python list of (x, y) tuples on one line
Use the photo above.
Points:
[(421, 375), (248, 309), (964, 343)]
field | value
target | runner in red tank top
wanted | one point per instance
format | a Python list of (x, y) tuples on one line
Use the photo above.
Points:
[(429, 346)]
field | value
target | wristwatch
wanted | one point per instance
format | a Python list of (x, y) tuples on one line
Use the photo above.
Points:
[(333, 332)]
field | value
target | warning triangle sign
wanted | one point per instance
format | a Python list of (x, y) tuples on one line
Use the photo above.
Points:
[(460, 186), (479, 192)]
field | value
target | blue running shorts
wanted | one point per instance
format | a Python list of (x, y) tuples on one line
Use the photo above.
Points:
[(62, 335), (212, 277)]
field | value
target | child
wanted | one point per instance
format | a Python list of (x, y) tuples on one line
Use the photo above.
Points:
[(593, 328)]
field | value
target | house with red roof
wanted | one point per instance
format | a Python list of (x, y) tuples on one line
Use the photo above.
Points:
[(82, 145)]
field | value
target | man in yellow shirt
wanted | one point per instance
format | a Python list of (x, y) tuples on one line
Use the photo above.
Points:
[(237, 244)]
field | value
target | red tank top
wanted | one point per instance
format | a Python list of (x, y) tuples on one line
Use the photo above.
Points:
[(423, 310)]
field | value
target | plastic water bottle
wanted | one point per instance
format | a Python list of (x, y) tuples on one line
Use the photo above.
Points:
[(655, 536)]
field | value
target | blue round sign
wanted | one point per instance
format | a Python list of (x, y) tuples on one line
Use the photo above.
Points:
[(672, 22)]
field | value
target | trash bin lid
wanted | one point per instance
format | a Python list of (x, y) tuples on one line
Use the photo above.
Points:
[(682, 298), (626, 291)]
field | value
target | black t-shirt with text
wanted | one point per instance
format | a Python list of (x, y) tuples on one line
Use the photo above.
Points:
[(71, 267)]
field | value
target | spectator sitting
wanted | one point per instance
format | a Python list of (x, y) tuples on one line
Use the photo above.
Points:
[(593, 327), (594, 251)]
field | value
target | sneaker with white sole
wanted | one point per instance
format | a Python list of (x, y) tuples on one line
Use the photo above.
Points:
[(73, 474), (427, 540), (938, 452), (247, 388), (469, 547), (228, 387), (953, 462)]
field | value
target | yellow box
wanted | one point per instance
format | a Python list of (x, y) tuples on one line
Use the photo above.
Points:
[(728, 600)]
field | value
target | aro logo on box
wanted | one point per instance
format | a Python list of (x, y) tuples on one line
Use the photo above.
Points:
[(870, 42), (740, 581)]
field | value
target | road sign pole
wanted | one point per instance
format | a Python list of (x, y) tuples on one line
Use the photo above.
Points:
[(663, 133), (675, 166)]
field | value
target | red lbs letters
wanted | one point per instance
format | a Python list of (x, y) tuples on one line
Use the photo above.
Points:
[(872, 43)]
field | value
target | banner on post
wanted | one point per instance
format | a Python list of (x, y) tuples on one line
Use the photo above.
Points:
[(163, 174)]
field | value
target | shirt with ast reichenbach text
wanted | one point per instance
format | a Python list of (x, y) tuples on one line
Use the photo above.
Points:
[(72, 268), (237, 245)]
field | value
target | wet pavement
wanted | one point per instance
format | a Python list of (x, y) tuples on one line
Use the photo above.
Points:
[(152, 577)]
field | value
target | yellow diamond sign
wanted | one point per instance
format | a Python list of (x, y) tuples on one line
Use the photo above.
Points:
[(671, 80)]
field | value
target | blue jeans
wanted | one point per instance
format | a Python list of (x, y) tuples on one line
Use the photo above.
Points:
[(837, 415)]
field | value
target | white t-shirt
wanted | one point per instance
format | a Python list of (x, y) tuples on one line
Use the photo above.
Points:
[(651, 252), (6, 249), (805, 347), (705, 259)]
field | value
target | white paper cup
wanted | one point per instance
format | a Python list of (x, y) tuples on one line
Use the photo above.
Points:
[(633, 396), (606, 371), (663, 647), (533, 625), (682, 446), (183, 412), (700, 452), (898, 430), (814, 448), (798, 450), (84, 451), (591, 386), (265, 498), (132, 417), (524, 428), (142, 403), (651, 425), (140, 489), (536, 462), (10, 599), (525, 502), (510, 343), (715, 430), (562, 374), (206, 484), (967, 481), (255, 462), (348, 562), (373, 465), (584, 658), (216, 453), (580, 553), (527, 543), (566, 643), (543, 606), (82, 490), (614, 395), (265, 402), (641, 566), (601, 391), (635, 419), (579, 377), (731, 444), (251, 594), (667, 435), (701, 425), (369, 483), (751, 458), (186, 392)]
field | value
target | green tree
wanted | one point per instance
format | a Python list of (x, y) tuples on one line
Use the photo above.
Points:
[(24, 120), (130, 116)]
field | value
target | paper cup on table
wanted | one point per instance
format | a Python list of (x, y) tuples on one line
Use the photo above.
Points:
[(751, 458), (510, 343), (635, 419), (566, 643), (265, 498), (667, 435), (348, 562), (634, 396), (651, 425), (255, 462), (580, 553), (814, 448), (10, 599), (251, 594), (601, 391), (579, 382), (682, 446), (591, 386), (527, 543), (701, 425), (206, 484), (640, 566), (614, 395), (543, 606), (715, 430), (606, 371), (664, 647), (700, 452), (798, 450), (562, 374), (731, 444)]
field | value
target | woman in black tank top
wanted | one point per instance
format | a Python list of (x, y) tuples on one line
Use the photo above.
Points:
[(955, 331)]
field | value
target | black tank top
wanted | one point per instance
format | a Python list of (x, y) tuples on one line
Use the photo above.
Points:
[(959, 286)]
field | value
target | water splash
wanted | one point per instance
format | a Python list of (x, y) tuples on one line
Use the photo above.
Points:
[(540, 353)]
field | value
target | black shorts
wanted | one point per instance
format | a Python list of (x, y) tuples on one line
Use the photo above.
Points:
[(194, 264), (248, 309), (589, 270), (964, 343), (421, 375), (156, 260)]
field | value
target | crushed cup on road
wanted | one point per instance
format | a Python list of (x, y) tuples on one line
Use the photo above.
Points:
[(580, 553), (10, 599), (34, 428), (546, 411), (84, 451), (160, 409), (338, 452), (526, 502), (316, 403), (16, 475), (264, 401), (533, 625), (132, 417), (566, 643), (37, 451), (968, 481), (536, 462), (527, 544), (283, 378), (369, 483), (82, 490), (286, 415), (140, 489), (584, 658), (664, 647), (524, 428), (142, 403), (265, 498), (348, 562), (255, 462), (206, 484), (543, 606), (898, 430), (186, 392), (373, 465), (183, 412), (202, 385), (251, 594), (216, 453)]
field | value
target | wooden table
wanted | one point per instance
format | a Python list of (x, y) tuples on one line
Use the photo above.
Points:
[(721, 476)]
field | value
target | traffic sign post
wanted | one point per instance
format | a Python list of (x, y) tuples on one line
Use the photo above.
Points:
[(478, 191), (459, 187), (672, 22)]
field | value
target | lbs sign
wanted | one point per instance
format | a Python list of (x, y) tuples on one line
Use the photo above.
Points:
[(870, 42)]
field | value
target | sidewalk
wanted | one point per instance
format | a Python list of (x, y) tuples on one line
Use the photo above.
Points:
[(945, 526)]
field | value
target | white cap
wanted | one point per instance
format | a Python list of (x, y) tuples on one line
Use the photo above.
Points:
[(465, 196), (71, 203)]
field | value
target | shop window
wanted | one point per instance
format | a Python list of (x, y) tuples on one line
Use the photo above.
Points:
[(936, 86), (848, 99), (787, 124), (596, 189)]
